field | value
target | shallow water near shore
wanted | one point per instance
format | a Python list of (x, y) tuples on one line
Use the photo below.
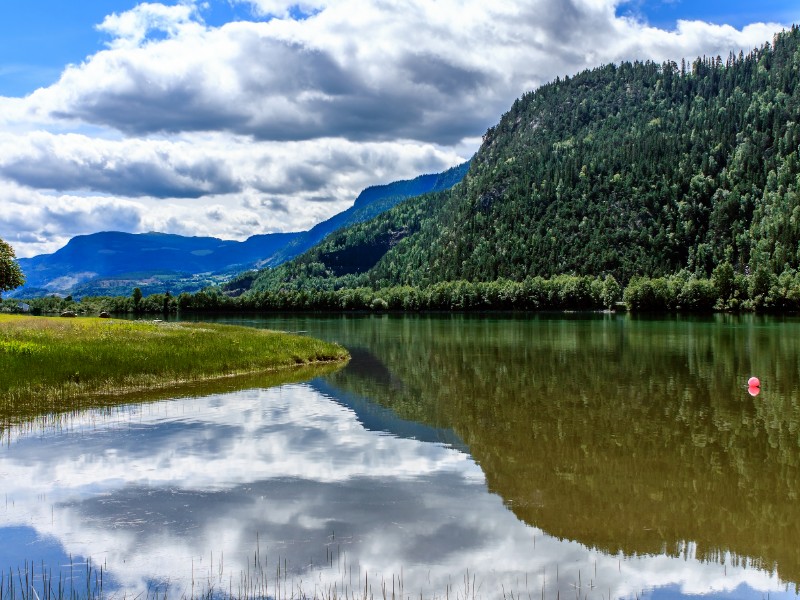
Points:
[(587, 456)]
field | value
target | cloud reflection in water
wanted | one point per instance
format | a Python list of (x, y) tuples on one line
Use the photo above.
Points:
[(179, 491)]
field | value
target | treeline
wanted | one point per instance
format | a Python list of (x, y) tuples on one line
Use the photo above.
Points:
[(725, 290), (93, 305), (636, 169), (566, 292)]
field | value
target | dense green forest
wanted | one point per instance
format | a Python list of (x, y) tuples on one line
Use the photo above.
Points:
[(630, 170), (371, 202), (725, 290)]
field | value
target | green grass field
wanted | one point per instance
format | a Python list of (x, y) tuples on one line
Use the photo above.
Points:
[(54, 364)]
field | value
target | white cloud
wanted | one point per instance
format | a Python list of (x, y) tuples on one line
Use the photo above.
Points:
[(284, 8), (320, 99), (131, 28), (427, 71), (34, 222), (126, 168), (213, 185)]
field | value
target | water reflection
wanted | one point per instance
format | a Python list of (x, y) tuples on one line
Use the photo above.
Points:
[(627, 435), (163, 485), (664, 475)]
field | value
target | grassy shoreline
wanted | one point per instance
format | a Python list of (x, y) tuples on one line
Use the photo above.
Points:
[(49, 364)]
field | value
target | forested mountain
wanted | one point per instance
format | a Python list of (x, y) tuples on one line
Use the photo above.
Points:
[(630, 169), (371, 202)]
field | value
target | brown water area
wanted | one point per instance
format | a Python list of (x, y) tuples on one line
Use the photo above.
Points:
[(628, 435), (590, 454)]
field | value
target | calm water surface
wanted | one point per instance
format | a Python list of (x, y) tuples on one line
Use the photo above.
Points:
[(586, 456)]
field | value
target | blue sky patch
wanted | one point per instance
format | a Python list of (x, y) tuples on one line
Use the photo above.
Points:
[(739, 13)]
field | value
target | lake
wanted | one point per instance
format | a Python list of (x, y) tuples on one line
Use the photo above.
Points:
[(556, 456)]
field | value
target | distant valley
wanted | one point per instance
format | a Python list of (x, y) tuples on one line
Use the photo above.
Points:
[(112, 263)]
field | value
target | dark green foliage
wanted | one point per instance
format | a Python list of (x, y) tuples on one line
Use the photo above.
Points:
[(649, 295), (761, 291), (698, 295), (93, 305), (630, 170), (326, 266), (674, 292), (683, 292), (724, 282), (760, 284), (136, 296), (10, 274), (371, 202), (634, 170), (612, 292)]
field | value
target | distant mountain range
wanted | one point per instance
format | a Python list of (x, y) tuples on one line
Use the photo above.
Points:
[(113, 263), (370, 203), (102, 263)]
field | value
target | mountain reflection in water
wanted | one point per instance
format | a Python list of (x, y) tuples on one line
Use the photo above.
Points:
[(623, 453)]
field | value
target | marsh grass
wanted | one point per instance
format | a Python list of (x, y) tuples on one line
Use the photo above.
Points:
[(61, 416), (53, 365), (339, 577)]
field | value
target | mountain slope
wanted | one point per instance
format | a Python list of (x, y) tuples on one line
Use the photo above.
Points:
[(113, 263), (630, 169), (372, 201), (101, 257)]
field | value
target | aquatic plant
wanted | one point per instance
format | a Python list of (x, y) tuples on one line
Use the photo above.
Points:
[(338, 578), (50, 364)]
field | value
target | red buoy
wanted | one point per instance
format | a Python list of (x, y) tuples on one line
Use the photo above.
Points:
[(754, 391), (753, 382)]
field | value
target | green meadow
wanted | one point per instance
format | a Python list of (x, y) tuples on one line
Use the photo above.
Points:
[(55, 364)]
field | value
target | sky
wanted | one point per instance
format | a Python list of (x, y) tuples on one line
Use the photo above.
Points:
[(231, 118)]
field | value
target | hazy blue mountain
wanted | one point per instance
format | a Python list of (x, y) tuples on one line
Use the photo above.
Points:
[(113, 263), (371, 202), (93, 263)]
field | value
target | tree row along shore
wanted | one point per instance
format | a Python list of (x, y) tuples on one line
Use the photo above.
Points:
[(726, 290)]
